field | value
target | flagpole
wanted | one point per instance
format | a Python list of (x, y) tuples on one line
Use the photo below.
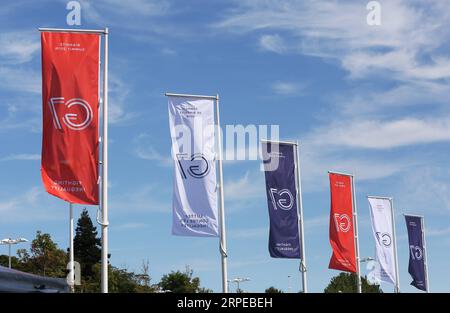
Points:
[(355, 222), (300, 219), (394, 235), (223, 241), (104, 260), (425, 253), (71, 252)]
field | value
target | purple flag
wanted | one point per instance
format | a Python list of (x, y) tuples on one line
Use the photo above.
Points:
[(281, 199), (417, 258)]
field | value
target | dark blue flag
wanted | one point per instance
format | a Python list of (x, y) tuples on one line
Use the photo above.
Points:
[(279, 168), (417, 257)]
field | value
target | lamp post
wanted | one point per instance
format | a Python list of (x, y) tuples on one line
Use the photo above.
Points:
[(239, 280), (289, 284), (9, 242), (367, 259)]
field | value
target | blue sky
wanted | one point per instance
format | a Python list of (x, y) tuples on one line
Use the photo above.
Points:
[(371, 100)]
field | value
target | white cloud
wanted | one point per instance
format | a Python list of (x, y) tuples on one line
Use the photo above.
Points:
[(144, 150), (21, 157), (168, 52), (147, 22), (33, 205), (143, 199), (149, 153), (18, 47), (378, 134), (118, 106), (427, 189), (288, 88), (244, 188), (409, 37), (20, 79), (273, 43), (127, 8)]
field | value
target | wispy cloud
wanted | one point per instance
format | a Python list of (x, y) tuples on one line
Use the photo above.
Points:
[(20, 79), (288, 88), (119, 111), (243, 188), (21, 157), (144, 150), (379, 134), (148, 24), (30, 205), (18, 47), (143, 199), (338, 30), (272, 43), (147, 8)]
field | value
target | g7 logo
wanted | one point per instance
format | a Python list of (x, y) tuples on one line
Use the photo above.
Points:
[(342, 222), (285, 199), (199, 169), (71, 120), (384, 238), (416, 252)]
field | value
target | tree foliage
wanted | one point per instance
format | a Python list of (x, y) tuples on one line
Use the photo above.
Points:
[(44, 257), (87, 247), (273, 290), (346, 283), (181, 282)]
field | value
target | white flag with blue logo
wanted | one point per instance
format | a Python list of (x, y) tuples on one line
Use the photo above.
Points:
[(381, 214), (192, 130)]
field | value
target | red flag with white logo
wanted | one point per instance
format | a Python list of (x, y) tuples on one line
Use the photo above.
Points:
[(342, 237), (70, 91)]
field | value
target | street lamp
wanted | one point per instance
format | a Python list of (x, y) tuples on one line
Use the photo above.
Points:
[(239, 280), (367, 259), (9, 242), (289, 284)]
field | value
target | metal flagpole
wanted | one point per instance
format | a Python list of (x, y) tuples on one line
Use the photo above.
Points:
[(104, 202), (355, 223), (300, 218), (9, 253), (394, 235), (71, 252), (223, 240), (104, 269), (425, 254)]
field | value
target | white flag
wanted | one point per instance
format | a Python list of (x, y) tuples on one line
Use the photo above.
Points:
[(193, 150), (381, 214)]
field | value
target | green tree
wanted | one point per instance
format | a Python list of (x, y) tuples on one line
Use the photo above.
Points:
[(87, 247), (181, 282), (346, 283), (273, 290), (44, 258), (4, 261), (119, 281)]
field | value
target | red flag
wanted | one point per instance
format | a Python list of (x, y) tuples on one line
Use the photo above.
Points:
[(342, 238), (70, 91)]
